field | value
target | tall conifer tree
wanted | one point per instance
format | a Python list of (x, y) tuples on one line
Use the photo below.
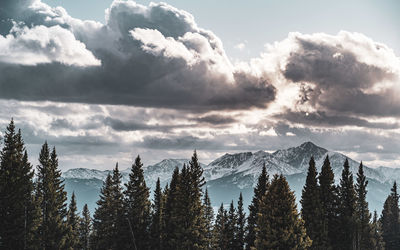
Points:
[(73, 222), (208, 219), (390, 220), (329, 201), (52, 198), (157, 218), (377, 240), (347, 209), (18, 211), (259, 192), (279, 225), (231, 227), (221, 240), (311, 209), (85, 228), (138, 205), (364, 234), (241, 223)]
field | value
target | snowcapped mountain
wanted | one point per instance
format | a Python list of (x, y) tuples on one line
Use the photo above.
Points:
[(231, 174)]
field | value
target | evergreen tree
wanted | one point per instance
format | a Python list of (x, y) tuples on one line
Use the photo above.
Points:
[(279, 225), (259, 192), (109, 222), (196, 224), (174, 214), (241, 224), (390, 220), (18, 211), (231, 227), (73, 222), (329, 201), (208, 219), (311, 209), (377, 240), (347, 209), (221, 240), (138, 205), (52, 198), (103, 221), (85, 228), (157, 218), (364, 234)]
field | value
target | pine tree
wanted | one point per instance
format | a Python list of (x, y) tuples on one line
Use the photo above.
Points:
[(231, 227), (197, 225), (329, 200), (103, 219), (208, 219), (390, 220), (347, 209), (220, 241), (73, 222), (279, 225), (364, 234), (18, 211), (85, 228), (52, 198), (377, 240), (138, 205), (174, 214), (157, 218), (109, 222), (311, 209), (259, 192), (241, 224)]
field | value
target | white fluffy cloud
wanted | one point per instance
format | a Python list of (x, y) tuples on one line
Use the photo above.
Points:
[(41, 44)]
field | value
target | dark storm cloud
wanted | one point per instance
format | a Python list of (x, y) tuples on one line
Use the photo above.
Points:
[(179, 143), (322, 119), (216, 119), (341, 81), (120, 125), (151, 56)]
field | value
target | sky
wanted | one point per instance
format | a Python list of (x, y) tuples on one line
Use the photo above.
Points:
[(104, 80)]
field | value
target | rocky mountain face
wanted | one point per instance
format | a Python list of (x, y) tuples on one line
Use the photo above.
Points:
[(231, 174)]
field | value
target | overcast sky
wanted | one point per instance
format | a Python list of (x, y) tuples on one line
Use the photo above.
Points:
[(106, 80)]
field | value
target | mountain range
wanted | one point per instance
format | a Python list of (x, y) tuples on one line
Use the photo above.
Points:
[(231, 174)]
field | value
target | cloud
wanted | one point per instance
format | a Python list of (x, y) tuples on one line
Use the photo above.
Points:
[(149, 56), (216, 119), (40, 45), (347, 73), (240, 46)]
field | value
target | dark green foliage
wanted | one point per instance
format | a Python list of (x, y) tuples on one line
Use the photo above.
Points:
[(259, 192), (208, 220), (109, 222), (241, 224), (138, 205), (157, 218), (73, 222), (85, 228), (390, 220), (52, 198), (347, 209), (174, 213), (279, 225), (377, 240), (312, 211), (329, 201), (221, 240), (18, 210), (231, 227), (364, 233)]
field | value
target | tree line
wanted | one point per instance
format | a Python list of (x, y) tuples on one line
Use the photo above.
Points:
[(34, 213)]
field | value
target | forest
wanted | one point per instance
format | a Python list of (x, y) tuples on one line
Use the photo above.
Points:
[(35, 214)]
